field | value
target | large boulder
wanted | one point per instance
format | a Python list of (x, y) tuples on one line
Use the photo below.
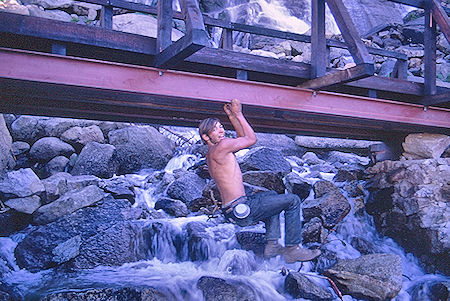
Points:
[(109, 293), (263, 158), (141, 147), (68, 203), (78, 137), (424, 146), (62, 182), (409, 201), (214, 288), (375, 277), (97, 159), (6, 156), (52, 244), (21, 183), (188, 187), (283, 143), (48, 148), (300, 286)]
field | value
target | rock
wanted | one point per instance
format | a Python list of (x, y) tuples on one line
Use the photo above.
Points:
[(21, 183), (12, 221), (12, 6), (198, 237), (357, 146), (20, 148), (346, 158), (266, 179), (25, 205), (300, 286), (374, 276), (433, 290), (119, 187), (238, 262), (252, 241), (47, 148), (312, 159), (55, 165), (187, 187), (409, 202), (68, 203), (97, 159), (220, 289), (50, 4), (60, 183), (67, 250), (282, 143), (60, 15), (145, 25), (350, 174), (35, 251), (140, 147), (387, 68), (172, 207), (423, 146), (6, 156), (78, 137), (331, 206), (261, 158), (122, 293), (296, 185), (313, 231)]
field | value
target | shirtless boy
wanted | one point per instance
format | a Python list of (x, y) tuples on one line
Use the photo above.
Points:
[(264, 206)]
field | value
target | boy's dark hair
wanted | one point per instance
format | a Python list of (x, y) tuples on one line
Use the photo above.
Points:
[(206, 126)]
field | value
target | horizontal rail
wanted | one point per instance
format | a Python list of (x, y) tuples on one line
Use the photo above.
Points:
[(172, 95)]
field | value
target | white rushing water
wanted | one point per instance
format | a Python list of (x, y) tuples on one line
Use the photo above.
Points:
[(220, 255)]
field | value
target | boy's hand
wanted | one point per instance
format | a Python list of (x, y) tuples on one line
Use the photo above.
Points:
[(233, 108)]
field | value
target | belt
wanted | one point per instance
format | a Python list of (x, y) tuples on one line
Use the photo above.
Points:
[(229, 207)]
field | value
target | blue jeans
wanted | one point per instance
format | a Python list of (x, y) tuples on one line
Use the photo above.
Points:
[(266, 206)]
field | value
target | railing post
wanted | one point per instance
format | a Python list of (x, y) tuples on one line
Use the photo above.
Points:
[(319, 55), (106, 17), (165, 17), (58, 48), (430, 51), (226, 39)]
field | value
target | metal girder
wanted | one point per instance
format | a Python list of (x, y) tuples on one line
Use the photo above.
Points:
[(45, 84)]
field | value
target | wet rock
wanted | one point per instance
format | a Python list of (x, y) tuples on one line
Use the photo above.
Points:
[(220, 289), (313, 231), (172, 207), (296, 185), (373, 277), (6, 156), (97, 294), (119, 187), (188, 187), (198, 247), (12, 221), (67, 250), (140, 147), (300, 286), (199, 203), (68, 203), (346, 158), (53, 14), (21, 183), (262, 158), (266, 179), (431, 290), (97, 159), (252, 241), (344, 175), (47, 148), (282, 143), (78, 137), (423, 146), (35, 251), (26, 205), (312, 159), (331, 206), (237, 262), (20, 148)]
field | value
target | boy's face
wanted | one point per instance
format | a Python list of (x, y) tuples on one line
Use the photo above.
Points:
[(216, 135)]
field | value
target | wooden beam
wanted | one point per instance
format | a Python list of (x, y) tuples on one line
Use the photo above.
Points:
[(339, 77), (348, 30), (226, 39), (441, 18), (58, 48), (181, 49), (193, 18), (165, 16), (430, 100), (400, 69), (418, 3), (319, 57), (429, 51)]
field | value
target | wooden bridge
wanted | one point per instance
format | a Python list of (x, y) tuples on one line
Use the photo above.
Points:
[(55, 68)]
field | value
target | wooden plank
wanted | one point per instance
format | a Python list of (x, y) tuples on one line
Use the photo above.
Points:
[(75, 33), (441, 18), (418, 3), (348, 30), (400, 69), (249, 62), (165, 16), (181, 49), (429, 52), (339, 77), (319, 56), (106, 17), (394, 85)]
